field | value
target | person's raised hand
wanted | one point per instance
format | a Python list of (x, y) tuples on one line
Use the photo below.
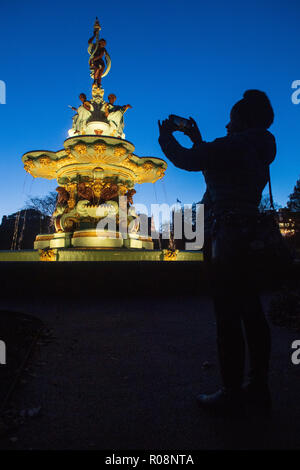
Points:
[(166, 127), (193, 132)]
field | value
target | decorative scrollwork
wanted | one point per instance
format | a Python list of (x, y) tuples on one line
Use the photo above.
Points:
[(29, 165), (148, 166), (81, 149), (119, 151), (170, 255), (99, 149), (160, 172), (47, 254), (46, 161), (97, 188), (128, 163)]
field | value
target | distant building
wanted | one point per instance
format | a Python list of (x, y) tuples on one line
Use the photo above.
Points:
[(18, 230), (289, 222)]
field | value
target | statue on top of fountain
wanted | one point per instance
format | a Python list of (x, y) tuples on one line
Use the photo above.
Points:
[(98, 53), (98, 117)]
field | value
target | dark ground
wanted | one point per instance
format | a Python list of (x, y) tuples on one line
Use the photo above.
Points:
[(19, 331), (123, 374)]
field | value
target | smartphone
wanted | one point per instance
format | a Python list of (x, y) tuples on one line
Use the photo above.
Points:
[(180, 122)]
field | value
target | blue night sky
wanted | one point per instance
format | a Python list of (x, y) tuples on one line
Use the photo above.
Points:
[(184, 57)]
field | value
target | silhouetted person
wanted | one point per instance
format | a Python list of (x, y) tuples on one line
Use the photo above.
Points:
[(236, 171)]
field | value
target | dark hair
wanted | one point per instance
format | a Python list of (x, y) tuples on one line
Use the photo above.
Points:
[(254, 109), (83, 94)]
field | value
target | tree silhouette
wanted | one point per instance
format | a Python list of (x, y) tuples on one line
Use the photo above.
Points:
[(265, 204), (45, 205), (294, 198)]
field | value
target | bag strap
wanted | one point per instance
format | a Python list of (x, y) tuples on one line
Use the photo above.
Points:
[(270, 190)]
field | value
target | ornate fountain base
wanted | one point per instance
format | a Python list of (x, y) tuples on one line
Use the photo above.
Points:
[(91, 238), (96, 177), (98, 254)]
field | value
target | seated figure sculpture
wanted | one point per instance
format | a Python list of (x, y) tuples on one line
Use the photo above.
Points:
[(99, 117), (115, 116), (84, 112)]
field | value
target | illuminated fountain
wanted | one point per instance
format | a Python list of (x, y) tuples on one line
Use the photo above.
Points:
[(96, 173), (92, 173)]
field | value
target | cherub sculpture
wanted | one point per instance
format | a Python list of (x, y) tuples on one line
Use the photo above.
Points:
[(84, 192), (109, 192), (63, 195), (130, 193)]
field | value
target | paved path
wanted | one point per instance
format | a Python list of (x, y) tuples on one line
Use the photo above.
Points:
[(122, 374)]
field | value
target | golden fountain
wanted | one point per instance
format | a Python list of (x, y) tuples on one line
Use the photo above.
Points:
[(96, 173)]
